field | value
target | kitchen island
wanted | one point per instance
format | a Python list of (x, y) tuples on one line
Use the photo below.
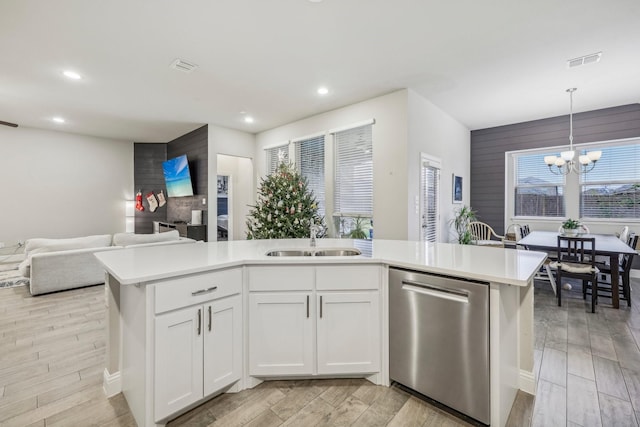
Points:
[(189, 322)]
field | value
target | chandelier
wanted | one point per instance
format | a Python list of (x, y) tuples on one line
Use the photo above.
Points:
[(566, 163)]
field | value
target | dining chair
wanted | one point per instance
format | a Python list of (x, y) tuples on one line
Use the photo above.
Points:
[(511, 236), (576, 259), (624, 272), (482, 233)]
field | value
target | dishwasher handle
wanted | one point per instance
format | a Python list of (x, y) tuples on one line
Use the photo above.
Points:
[(436, 291)]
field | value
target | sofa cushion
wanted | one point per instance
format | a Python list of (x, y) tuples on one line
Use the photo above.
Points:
[(129, 239), (56, 245)]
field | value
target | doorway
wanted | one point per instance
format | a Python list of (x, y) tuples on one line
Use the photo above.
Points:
[(429, 198), (235, 195)]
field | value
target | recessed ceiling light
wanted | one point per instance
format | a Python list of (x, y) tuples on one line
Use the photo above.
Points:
[(323, 91), (315, 1), (72, 75), (248, 119), (58, 119)]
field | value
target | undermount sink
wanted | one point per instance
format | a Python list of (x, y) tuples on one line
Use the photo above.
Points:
[(318, 252), (290, 253), (338, 252)]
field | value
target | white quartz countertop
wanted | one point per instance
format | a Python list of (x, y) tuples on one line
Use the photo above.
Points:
[(144, 264)]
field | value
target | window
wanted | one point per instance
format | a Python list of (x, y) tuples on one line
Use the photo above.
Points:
[(353, 194), (353, 184), (310, 162), (538, 192), (275, 156), (430, 194), (612, 188)]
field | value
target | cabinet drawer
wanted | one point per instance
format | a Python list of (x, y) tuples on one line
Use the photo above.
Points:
[(196, 289), (281, 278), (347, 277)]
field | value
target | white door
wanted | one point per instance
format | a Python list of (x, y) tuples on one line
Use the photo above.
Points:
[(222, 343), (348, 332), (280, 333), (429, 199), (178, 363)]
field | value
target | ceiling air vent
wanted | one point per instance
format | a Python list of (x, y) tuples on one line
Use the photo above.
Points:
[(584, 60), (182, 65)]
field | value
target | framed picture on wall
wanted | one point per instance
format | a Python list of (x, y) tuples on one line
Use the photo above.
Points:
[(457, 189)]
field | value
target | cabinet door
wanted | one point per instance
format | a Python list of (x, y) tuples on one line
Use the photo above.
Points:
[(178, 361), (348, 332), (280, 333), (222, 343)]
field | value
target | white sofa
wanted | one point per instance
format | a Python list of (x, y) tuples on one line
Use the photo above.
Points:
[(60, 264)]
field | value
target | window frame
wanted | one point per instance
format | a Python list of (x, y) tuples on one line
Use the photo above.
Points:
[(572, 187)]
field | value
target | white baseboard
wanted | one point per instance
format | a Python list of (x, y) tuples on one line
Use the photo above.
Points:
[(527, 382), (111, 383)]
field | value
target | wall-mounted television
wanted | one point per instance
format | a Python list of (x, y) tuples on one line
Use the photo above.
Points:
[(177, 177)]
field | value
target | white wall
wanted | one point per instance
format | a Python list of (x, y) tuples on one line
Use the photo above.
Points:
[(230, 142), (434, 132), (241, 192), (389, 155), (57, 184)]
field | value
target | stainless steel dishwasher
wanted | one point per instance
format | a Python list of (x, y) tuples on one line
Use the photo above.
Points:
[(439, 339)]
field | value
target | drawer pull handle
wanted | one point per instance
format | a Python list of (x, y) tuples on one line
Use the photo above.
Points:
[(203, 291), (199, 321), (209, 318)]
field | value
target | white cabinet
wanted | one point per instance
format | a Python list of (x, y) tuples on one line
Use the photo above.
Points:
[(178, 367), (222, 344), (198, 352), (280, 333), (198, 348), (348, 332), (330, 326)]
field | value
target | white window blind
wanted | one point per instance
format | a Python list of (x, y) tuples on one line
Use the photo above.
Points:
[(430, 189), (353, 195), (276, 155), (310, 162), (538, 192), (612, 188)]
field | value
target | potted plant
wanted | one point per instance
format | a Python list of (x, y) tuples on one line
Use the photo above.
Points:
[(358, 230), (571, 227), (463, 216)]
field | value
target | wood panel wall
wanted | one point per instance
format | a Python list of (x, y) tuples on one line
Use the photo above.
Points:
[(195, 145), (148, 176), (488, 148)]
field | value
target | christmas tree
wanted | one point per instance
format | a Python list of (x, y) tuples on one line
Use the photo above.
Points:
[(285, 207)]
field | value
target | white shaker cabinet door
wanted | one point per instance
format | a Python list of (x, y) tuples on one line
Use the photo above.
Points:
[(222, 343), (348, 332), (178, 361), (281, 333)]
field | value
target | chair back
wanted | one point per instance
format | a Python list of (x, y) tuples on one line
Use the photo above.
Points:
[(627, 259), (624, 234), (481, 231), (577, 250)]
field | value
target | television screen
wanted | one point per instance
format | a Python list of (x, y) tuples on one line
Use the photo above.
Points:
[(177, 177)]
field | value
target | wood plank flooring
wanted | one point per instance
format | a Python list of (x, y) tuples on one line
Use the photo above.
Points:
[(52, 358)]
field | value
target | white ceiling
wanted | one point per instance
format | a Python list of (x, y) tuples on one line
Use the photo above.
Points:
[(486, 63)]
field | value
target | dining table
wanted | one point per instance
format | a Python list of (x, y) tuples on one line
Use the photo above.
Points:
[(606, 245)]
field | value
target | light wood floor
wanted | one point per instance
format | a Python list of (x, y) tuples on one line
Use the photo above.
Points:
[(52, 357)]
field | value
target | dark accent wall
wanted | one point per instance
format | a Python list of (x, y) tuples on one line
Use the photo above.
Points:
[(148, 176), (195, 145), (488, 147)]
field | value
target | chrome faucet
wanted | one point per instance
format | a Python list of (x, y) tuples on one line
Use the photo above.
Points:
[(313, 230)]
